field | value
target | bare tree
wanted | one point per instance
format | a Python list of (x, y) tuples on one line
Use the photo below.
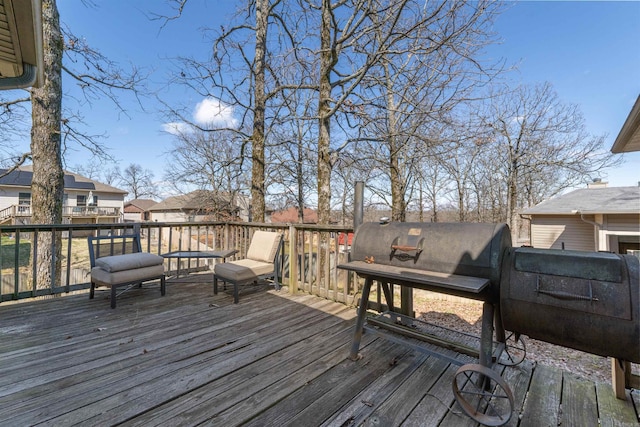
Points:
[(138, 182), (432, 66), (98, 77), (111, 176), (240, 75), (536, 138), (93, 169), (208, 161)]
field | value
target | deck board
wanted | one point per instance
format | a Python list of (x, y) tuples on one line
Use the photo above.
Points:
[(581, 409), (614, 411), (542, 405), (193, 358)]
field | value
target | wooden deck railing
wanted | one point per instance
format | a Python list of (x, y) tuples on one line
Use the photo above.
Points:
[(308, 260)]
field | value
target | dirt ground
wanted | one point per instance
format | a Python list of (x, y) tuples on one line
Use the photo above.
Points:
[(466, 316)]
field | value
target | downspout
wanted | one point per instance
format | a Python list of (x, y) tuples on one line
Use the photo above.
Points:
[(597, 228)]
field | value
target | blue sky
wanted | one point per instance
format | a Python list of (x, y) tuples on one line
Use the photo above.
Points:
[(587, 50)]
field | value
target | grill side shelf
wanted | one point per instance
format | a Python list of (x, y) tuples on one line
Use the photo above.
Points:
[(393, 274)]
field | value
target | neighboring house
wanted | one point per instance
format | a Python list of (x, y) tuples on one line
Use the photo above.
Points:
[(201, 205), (290, 215), (137, 210), (85, 201), (597, 218)]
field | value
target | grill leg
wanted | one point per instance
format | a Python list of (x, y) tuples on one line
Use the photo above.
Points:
[(388, 295), (501, 336), (486, 337), (362, 313)]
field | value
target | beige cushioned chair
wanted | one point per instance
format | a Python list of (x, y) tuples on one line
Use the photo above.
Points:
[(122, 264), (260, 263)]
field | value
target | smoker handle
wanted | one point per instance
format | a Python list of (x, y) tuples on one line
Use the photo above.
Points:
[(404, 248), (565, 295)]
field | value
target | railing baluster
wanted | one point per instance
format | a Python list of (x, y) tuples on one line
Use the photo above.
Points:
[(69, 240), (16, 277), (293, 260)]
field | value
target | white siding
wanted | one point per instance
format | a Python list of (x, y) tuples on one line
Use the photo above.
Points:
[(623, 222), (169, 216), (550, 232), (9, 195)]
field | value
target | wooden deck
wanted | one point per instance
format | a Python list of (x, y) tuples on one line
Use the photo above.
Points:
[(192, 358)]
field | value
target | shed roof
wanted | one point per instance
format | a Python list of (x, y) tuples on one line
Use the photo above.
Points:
[(290, 215), (196, 200), (608, 200), (143, 204)]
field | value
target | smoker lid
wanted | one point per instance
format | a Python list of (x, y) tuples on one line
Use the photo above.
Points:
[(605, 267)]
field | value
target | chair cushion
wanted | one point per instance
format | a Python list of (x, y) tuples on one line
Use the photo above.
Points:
[(264, 245), (244, 270), (123, 262), (101, 276)]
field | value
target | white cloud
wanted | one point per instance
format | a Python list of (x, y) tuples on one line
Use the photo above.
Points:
[(213, 113), (209, 113)]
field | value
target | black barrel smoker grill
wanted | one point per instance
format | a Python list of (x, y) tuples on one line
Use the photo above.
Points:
[(582, 300)]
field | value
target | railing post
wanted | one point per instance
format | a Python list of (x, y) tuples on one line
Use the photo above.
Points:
[(293, 260), (358, 205)]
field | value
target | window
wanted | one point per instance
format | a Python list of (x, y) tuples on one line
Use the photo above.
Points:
[(81, 200), (24, 203), (24, 199)]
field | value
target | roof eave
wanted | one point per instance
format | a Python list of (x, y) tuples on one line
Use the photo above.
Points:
[(587, 212), (629, 137)]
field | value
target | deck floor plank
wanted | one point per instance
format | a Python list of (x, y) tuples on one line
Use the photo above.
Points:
[(397, 407), (206, 402), (542, 405), (319, 399), (579, 405), (109, 351), (120, 401), (436, 402), (518, 378), (192, 358), (612, 411), (635, 396), (362, 405)]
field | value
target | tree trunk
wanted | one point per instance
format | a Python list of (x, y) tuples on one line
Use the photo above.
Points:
[(47, 186), (324, 109), (398, 206), (257, 155)]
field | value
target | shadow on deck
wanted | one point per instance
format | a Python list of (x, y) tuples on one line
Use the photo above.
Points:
[(193, 358)]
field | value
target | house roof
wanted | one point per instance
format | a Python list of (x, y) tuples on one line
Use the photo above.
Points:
[(142, 204), (22, 62), (629, 137), (196, 200), (290, 215), (607, 200), (22, 177)]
